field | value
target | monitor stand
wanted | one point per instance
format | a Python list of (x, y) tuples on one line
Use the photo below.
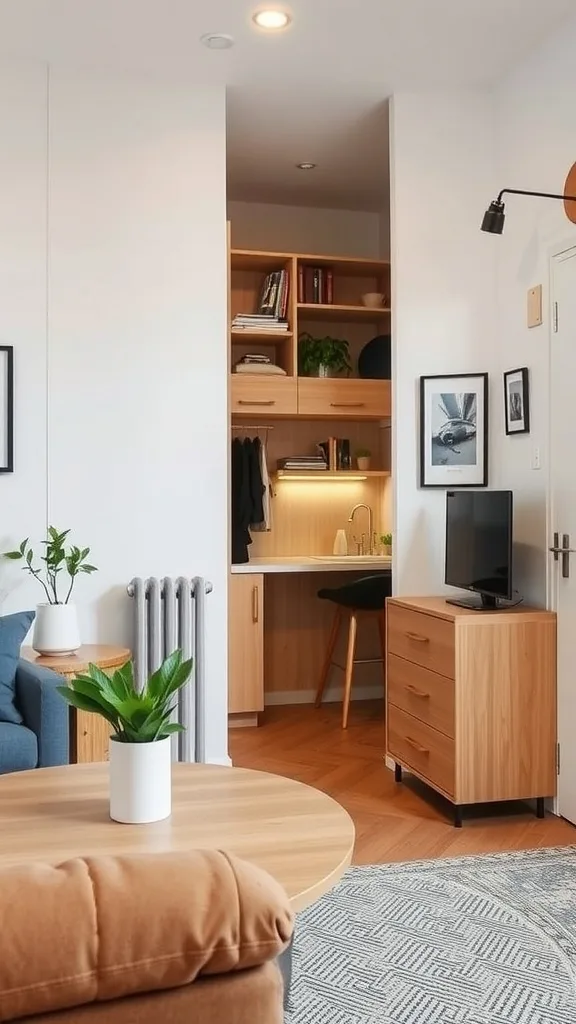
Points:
[(480, 603)]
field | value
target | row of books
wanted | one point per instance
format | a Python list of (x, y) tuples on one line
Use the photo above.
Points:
[(316, 284)]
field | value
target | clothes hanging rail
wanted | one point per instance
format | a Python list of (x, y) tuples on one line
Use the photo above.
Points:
[(251, 426)]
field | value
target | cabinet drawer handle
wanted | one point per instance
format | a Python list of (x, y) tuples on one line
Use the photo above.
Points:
[(242, 401), (255, 605), (418, 638), (416, 692), (347, 405), (417, 746)]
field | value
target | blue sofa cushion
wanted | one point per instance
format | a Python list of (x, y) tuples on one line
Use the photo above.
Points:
[(13, 629), (18, 748)]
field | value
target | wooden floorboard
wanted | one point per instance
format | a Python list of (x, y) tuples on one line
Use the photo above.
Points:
[(393, 822)]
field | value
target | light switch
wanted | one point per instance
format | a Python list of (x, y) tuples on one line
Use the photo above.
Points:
[(535, 306)]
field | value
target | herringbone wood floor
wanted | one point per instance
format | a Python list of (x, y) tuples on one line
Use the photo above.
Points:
[(393, 822)]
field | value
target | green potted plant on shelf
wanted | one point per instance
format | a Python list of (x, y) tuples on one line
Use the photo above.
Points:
[(56, 626), (363, 458), (386, 542), (142, 726), (322, 357)]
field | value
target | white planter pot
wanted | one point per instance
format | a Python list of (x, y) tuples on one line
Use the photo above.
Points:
[(140, 781), (363, 462), (56, 629)]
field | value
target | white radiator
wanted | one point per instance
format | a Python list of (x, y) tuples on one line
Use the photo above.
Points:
[(169, 613)]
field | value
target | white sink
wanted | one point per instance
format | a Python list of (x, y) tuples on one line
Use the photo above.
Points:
[(351, 558)]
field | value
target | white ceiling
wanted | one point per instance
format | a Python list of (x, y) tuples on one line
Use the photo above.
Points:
[(315, 92)]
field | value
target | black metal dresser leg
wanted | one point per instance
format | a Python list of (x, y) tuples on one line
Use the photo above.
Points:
[(397, 772), (457, 816), (540, 807)]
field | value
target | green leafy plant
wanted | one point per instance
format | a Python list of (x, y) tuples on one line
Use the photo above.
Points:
[(333, 353), (386, 539), (363, 453), (136, 717), (57, 558)]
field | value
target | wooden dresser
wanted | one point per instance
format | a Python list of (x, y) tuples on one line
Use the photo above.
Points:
[(471, 700)]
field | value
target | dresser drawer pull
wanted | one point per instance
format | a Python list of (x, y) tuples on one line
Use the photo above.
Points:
[(417, 746), (416, 692), (242, 401), (419, 639), (347, 405)]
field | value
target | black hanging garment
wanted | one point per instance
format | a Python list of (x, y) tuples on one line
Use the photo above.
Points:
[(247, 493)]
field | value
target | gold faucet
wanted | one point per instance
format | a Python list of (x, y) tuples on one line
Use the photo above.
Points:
[(370, 527)]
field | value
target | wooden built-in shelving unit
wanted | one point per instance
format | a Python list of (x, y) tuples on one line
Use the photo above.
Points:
[(344, 398)]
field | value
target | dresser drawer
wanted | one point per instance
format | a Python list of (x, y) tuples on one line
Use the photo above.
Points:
[(267, 396), (423, 694), (423, 639), (343, 398), (416, 745)]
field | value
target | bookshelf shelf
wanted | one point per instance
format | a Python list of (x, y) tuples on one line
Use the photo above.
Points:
[(241, 334), (329, 474), (323, 311)]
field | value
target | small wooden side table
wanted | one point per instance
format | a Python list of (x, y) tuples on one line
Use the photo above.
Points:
[(89, 734)]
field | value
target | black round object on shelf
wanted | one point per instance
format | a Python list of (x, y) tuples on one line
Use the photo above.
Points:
[(375, 360)]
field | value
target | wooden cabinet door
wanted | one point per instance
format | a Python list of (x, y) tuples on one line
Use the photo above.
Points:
[(246, 643)]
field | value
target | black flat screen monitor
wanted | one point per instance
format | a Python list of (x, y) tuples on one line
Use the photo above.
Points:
[(479, 545)]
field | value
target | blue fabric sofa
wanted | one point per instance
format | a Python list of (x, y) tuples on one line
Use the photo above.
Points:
[(42, 739)]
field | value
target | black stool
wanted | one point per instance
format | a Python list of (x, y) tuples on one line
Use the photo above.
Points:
[(366, 596)]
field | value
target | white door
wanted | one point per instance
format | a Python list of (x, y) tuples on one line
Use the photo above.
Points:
[(563, 513)]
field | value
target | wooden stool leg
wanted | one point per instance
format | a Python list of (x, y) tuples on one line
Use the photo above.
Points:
[(382, 629), (349, 669), (329, 655)]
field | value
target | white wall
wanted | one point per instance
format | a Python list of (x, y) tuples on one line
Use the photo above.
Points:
[(536, 148), (306, 229), (443, 293), (23, 166), (137, 342)]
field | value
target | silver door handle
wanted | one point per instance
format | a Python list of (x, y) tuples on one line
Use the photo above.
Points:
[(565, 550)]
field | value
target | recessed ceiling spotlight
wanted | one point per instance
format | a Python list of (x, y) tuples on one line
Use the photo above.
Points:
[(271, 20), (305, 167), (217, 41)]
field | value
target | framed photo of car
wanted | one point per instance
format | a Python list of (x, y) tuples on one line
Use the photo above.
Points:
[(454, 430)]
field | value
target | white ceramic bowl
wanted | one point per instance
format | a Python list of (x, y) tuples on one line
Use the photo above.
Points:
[(373, 299)]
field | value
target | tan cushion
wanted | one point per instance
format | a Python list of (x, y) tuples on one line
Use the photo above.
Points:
[(102, 927)]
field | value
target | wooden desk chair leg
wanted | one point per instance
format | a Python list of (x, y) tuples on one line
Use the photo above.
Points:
[(329, 656), (382, 629), (349, 669)]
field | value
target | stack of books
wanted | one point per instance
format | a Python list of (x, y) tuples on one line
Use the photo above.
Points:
[(256, 322), (272, 306), (302, 462), (316, 284)]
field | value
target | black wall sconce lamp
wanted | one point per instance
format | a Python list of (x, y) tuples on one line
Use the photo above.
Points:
[(493, 221)]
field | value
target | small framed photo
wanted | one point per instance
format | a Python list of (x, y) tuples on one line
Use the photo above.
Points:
[(454, 430), (6, 409), (517, 401)]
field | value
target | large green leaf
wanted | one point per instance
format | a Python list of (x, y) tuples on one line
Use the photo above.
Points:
[(87, 687), (104, 683), (83, 703), (160, 680), (168, 730), (180, 677)]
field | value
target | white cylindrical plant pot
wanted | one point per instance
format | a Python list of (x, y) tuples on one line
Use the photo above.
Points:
[(56, 629), (140, 781), (363, 463)]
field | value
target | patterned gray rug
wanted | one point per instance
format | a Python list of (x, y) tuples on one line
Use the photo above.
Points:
[(480, 940)]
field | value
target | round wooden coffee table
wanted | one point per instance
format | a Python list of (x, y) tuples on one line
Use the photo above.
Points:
[(299, 835)]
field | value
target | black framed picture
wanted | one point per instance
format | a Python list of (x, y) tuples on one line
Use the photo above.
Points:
[(454, 430), (6, 409), (517, 401)]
